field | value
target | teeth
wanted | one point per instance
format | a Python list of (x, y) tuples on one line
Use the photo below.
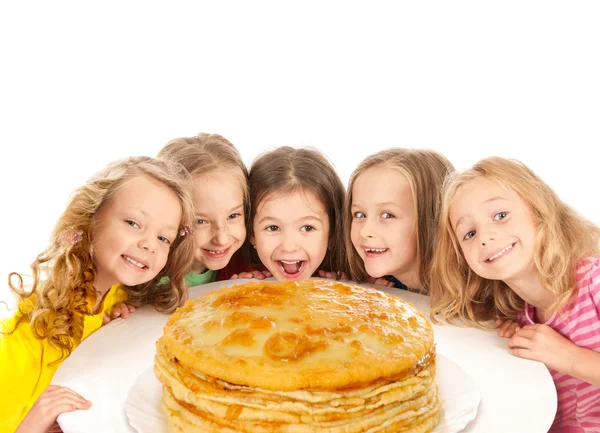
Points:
[(290, 263), (376, 250), (495, 256), (215, 252), (133, 262)]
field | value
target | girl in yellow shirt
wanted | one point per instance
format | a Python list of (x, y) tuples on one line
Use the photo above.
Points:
[(121, 233)]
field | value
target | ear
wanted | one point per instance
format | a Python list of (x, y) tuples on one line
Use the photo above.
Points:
[(253, 240)]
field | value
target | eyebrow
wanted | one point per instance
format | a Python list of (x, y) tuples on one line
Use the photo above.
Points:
[(489, 200), (145, 214), (229, 211), (306, 218), (383, 203)]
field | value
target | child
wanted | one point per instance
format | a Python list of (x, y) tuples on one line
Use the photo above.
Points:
[(296, 214), (220, 196), (391, 214), (127, 225), (509, 248)]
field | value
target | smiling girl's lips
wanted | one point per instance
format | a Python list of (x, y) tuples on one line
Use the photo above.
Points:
[(291, 268), (499, 253), (134, 262), (216, 254), (372, 252)]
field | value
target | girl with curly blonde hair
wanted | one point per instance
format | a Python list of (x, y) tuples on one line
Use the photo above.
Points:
[(509, 249), (121, 233)]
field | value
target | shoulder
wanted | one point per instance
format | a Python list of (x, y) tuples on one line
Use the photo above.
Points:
[(588, 278)]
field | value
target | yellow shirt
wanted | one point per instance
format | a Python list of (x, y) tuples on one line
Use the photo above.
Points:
[(25, 363)]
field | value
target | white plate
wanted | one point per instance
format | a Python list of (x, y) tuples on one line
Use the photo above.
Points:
[(460, 399)]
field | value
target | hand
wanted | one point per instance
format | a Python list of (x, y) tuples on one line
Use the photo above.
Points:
[(507, 328), (332, 275), (53, 401), (121, 310), (259, 275), (381, 282), (544, 344)]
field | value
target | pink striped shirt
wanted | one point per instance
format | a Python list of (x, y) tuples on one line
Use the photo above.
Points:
[(578, 401)]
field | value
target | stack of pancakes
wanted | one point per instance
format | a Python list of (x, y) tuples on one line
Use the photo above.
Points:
[(309, 356)]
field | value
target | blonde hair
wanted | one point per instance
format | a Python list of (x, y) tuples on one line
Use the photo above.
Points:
[(425, 171), (63, 295), (563, 237), (288, 170), (205, 153)]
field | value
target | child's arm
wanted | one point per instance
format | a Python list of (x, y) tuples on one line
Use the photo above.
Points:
[(53, 401), (544, 344)]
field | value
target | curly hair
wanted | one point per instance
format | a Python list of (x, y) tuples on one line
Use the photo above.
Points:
[(425, 171), (64, 273), (563, 238), (288, 170)]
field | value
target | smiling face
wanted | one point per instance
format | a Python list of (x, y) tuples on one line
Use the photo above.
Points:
[(383, 229), (495, 229), (219, 230), (133, 233), (291, 234)]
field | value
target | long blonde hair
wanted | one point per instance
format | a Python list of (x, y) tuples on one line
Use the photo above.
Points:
[(287, 170), (425, 171), (563, 238), (63, 274)]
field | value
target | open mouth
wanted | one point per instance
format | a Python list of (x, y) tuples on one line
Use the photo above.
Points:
[(291, 268), (134, 262), (216, 254), (374, 252), (500, 253)]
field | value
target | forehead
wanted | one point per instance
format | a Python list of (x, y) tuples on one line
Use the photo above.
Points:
[(381, 184), (475, 195), (146, 194), (296, 204), (220, 184)]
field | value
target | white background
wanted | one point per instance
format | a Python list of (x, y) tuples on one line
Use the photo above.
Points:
[(82, 85)]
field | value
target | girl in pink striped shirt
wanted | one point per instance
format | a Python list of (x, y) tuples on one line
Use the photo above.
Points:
[(509, 249)]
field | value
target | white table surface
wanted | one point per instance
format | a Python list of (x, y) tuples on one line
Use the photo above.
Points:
[(516, 395)]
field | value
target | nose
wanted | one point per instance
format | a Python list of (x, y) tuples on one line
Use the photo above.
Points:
[(367, 230), (220, 234), (290, 243), (148, 243), (487, 235)]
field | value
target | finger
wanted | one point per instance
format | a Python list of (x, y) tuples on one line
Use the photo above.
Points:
[(321, 273), (131, 308), (267, 274), (525, 353), (105, 319), (344, 276), (234, 277), (123, 310), (519, 341), (258, 275), (498, 322)]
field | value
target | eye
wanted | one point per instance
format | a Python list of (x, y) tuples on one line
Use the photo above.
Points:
[(164, 239), (307, 228), (132, 224), (201, 221), (469, 235), (500, 216), (359, 215), (387, 215), (272, 228), (234, 216)]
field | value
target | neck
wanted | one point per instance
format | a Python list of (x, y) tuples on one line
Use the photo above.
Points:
[(103, 283), (529, 288), (198, 268), (410, 278)]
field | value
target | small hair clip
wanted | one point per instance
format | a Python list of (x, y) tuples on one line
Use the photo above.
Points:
[(71, 237), (185, 231)]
